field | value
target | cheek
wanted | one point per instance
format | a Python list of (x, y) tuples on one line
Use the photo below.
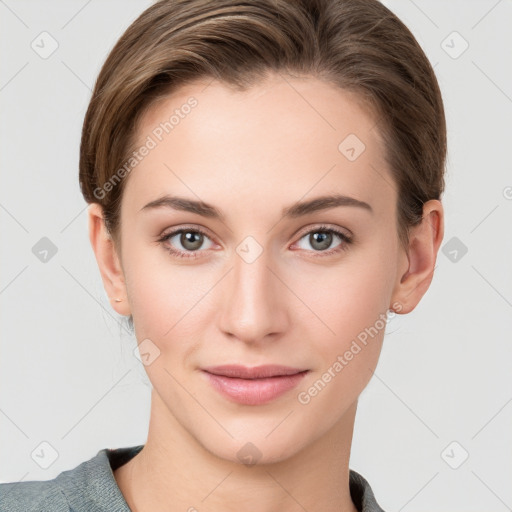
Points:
[(170, 304), (338, 303), (350, 298), (157, 294), (354, 308), (350, 303)]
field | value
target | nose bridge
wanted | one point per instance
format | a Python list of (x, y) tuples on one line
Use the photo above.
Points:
[(252, 304)]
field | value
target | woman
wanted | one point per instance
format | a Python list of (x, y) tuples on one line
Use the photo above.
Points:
[(264, 182)]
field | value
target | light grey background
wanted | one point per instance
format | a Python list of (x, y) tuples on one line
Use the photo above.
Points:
[(68, 374)]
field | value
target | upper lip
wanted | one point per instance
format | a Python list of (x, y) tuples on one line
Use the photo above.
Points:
[(256, 372)]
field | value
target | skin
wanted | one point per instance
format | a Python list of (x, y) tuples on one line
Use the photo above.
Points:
[(250, 155)]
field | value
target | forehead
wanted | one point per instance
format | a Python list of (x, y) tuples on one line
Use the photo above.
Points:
[(282, 138), (274, 103)]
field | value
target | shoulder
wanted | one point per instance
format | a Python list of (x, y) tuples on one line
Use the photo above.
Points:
[(60, 494), (88, 487), (32, 496), (362, 494)]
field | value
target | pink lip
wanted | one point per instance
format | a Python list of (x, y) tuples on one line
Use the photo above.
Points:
[(253, 386)]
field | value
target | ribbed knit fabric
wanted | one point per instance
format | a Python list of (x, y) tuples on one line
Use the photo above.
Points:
[(91, 487)]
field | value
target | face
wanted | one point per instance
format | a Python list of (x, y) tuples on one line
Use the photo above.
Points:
[(264, 272)]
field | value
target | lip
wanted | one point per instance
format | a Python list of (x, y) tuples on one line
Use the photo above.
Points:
[(253, 386)]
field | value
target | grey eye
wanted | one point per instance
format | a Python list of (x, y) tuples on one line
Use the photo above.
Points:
[(190, 240), (319, 240)]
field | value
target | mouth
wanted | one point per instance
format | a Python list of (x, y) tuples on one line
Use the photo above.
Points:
[(253, 386), (256, 372)]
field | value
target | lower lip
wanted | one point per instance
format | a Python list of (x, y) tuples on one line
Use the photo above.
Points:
[(254, 391)]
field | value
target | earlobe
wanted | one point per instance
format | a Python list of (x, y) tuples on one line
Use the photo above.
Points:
[(424, 242), (108, 261)]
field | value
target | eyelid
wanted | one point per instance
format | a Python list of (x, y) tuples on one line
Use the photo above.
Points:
[(185, 227), (323, 227)]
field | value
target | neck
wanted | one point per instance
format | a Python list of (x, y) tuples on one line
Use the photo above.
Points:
[(173, 472)]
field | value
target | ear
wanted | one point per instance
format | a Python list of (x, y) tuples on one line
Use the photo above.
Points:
[(108, 261), (424, 242)]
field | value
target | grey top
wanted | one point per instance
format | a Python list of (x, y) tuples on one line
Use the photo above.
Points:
[(91, 487)]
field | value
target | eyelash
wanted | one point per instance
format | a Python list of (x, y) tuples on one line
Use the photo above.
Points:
[(320, 229)]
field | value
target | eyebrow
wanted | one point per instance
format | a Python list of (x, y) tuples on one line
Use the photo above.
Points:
[(296, 210)]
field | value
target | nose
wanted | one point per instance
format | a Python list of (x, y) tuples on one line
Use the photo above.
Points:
[(253, 301)]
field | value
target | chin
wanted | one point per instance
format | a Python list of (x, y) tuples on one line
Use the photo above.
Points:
[(249, 453)]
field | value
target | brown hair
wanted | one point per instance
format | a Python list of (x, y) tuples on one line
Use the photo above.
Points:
[(359, 45)]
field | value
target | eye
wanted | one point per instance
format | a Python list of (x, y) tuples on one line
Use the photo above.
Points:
[(321, 239), (190, 239)]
